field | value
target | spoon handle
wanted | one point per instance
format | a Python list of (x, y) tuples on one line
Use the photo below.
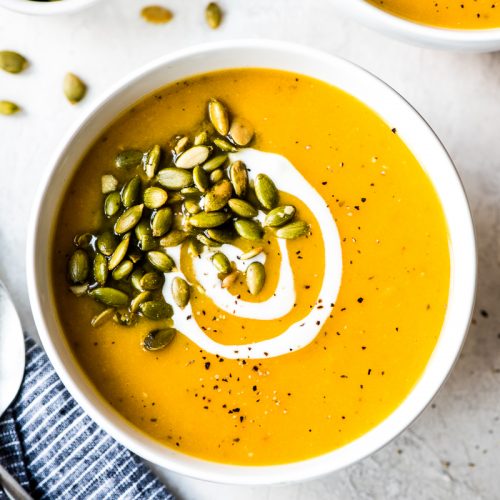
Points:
[(11, 487)]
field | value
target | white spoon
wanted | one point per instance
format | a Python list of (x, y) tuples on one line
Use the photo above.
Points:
[(12, 363)]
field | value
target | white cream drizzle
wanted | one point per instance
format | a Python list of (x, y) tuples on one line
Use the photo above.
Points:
[(288, 179)]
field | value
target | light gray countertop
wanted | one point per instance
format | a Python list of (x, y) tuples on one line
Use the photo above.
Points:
[(453, 450)]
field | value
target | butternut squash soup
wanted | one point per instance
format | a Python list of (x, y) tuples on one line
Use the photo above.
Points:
[(251, 267), (455, 14)]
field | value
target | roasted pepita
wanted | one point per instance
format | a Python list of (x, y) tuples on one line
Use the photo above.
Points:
[(83, 240), (192, 207), (156, 309), (119, 253), (217, 196), (214, 163), (100, 269), (158, 339), (222, 234), (110, 297), (12, 62), (74, 88), (107, 243), (8, 108), (112, 204), (162, 221), (151, 281), (251, 253), (218, 114), (200, 178), (151, 161), (241, 131), (160, 261), (207, 220), (255, 277), (221, 263), (192, 157), (180, 292), (208, 242), (138, 300), (129, 219), (175, 178), (130, 192), (238, 174), (242, 208), (128, 159), (293, 230), (248, 229), (122, 270), (266, 191), (224, 145), (173, 238), (155, 197), (280, 215), (103, 317), (78, 266), (213, 15)]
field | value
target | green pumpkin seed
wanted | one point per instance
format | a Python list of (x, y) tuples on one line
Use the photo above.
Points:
[(151, 281), (255, 277), (128, 159), (152, 161), (83, 240), (135, 256), (78, 266), (100, 269), (180, 292), (222, 234), (251, 253), (293, 230), (192, 207), (12, 62), (110, 297), (106, 243), (200, 178), (216, 176), (218, 115), (241, 131), (112, 204), (103, 317), (221, 263), (205, 240), (192, 157), (158, 339), (147, 243), (119, 253), (191, 192), (242, 208), (175, 178), (218, 196), (155, 197), (129, 219), (201, 138), (194, 248), (122, 270), (8, 108), (125, 318), (181, 145), (266, 191), (109, 183), (224, 145), (138, 300), (160, 261), (79, 290), (213, 15), (174, 198), (74, 89), (230, 279), (214, 163), (135, 279), (280, 215), (130, 192), (162, 221), (238, 174), (156, 310), (143, 228), (248, 229), (205, 220), (174, 238)]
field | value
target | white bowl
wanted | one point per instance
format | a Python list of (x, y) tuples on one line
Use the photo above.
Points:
[(46, 8), (483, 40), (268, 54)]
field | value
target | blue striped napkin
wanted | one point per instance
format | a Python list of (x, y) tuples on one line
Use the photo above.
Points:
[(57, 452)]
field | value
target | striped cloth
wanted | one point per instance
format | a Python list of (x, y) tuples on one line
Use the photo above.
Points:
[(57, 452)]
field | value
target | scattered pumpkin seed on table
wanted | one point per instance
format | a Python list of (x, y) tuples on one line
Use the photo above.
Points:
[(74, 88), (156, 14), (213, 15), (12, 62), (9, 108)]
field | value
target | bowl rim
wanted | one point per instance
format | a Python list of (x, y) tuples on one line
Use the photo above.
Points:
[(310, 468), (375, 17), (45, 8)]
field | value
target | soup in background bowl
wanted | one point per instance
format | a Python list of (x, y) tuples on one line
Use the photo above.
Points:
[(304, 305)]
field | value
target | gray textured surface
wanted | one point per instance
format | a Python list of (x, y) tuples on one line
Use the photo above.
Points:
[(453, 450)]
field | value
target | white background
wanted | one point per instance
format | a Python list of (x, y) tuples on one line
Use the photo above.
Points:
[(453, 450)]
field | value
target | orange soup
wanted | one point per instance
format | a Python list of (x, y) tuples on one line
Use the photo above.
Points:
[(233, 209)]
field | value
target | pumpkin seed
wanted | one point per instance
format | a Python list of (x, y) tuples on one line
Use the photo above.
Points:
[(280, 215), (191, 192), (230, 279), (241, 131), (194, 248), (143, 228), (122, 270), (78, 266), (192, 207), (251, 253), (266, 191), (248, 229), (222, 234), (201, 138), (106, 243), (224, 145), (213, 15), (128, 159), (192, 157), (161, 261), (130, 192), (158, 339), (255, 277), (135, 279), (8, 108), (83, 240), (174, 238), (12, 62), (218, 196), (110, 297), (112, 204), (129, 219), (293, 230), (74, 89), (147, 242), (214, 163), (175, 178), (162, 221), (238, 174), (151, 161), (174, 198), (181, 145), (151, 281), (79, 290), (205, 220), (119, 253), (205, 240), (242, 208), (125, 318), (218, 115), (103, 317), (109, 183), (180, 292), (156, 14), (216, 176), (200, 179), (155, 197), (156, 309), (100, 269), (221, 263), (138, 300), (135, 256)]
